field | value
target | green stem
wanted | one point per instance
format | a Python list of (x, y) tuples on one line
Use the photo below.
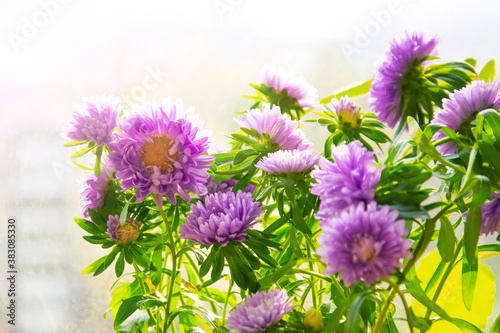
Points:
[(381, 318), (143, 288), (405, 305), (174, 268), (231, 282)]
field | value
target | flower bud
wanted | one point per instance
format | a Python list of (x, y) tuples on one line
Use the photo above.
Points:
[(313, 322), (123, 234)]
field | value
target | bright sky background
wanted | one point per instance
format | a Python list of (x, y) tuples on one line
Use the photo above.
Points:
[(203, 55)]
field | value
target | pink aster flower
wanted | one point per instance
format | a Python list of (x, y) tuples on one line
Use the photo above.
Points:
[(94, 188), (94, 120), (160, 151), (220, 218), (288, 161), (282, 132), (461, 108), (259, 311), (296, 87), (363, 243)]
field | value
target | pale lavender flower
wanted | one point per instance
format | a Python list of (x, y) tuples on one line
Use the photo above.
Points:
[(94, 120), (94, 188), (282, 131), (349, 180), (220, 218), (225, 186), (461, 108), (297, 87), (288, 162), (386, 88), (363, 242), (123, 234), (346, 111), (160, 151), (259, 311)]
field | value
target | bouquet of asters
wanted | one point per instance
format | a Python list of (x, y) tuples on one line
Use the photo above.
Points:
[(371, 234)]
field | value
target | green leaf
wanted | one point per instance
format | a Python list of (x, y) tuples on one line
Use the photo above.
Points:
[(97, 165), (471, 233), (218, 265), (83, 167), (357, 90), (353, 322), (488, 71), (469, 278), (124, 214), (139, 256), (242, 155), (120, 265), (75, 143), (243, 139), (81, 152), (88, 226), (93, 266), (108, 261), (471, 61), (207, 263), (132, 304), (446, 240)]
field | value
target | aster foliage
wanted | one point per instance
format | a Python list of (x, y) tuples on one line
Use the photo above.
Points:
[(271, 236)]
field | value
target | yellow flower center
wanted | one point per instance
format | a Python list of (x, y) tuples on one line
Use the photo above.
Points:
[(349, 117), (159, 153)]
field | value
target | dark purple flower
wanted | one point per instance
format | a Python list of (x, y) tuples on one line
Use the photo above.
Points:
[(296, 87), (280, 129), (220, 218), (94, 188), (286, 162), (160, 151), (123, 234), (386, 88), (461, 108), (363, 242), (346, 111), (259, 311), (94, 120), (349, 180)]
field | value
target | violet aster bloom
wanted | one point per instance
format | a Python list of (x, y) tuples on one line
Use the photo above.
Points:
[(259, 311), (123, 234), (161, 152), (461, 108), (220, 218), (288, 162), (296, 87), (349, 180), (363, 243), (94, 120), (490, 216), (282, 131), (94, 188), (346, 111), (407, 50)]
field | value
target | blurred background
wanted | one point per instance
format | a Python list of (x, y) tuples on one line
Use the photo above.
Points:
[(55, 52)]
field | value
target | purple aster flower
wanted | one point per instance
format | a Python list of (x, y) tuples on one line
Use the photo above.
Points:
[(123, 234), (161, 152), (363, 243), (461, 108), (349, 180), (288, 162), (295, 86), (220, 218), (94, 120), (392, 73), (490, 216), (259, 311), (94, 188), (281, 130), (225, 186), (346, 111)]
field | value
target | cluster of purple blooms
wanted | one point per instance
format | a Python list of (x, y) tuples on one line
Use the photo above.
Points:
[(161, 151)]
